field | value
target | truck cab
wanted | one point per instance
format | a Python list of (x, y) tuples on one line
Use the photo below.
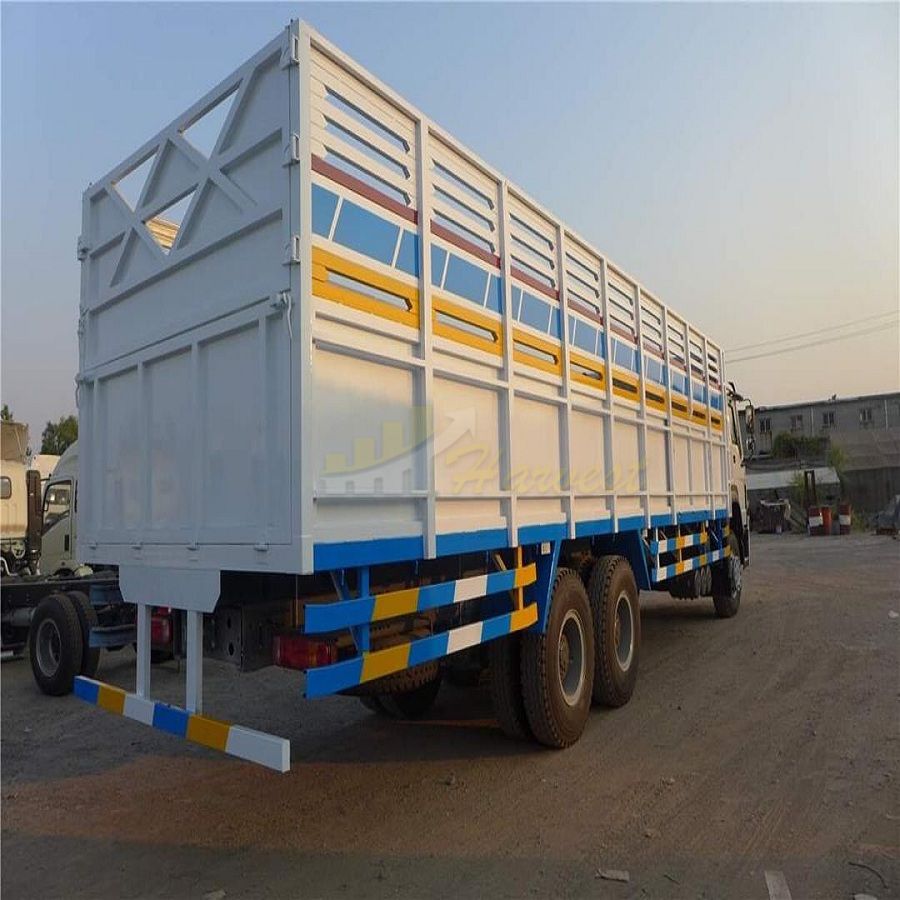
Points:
[(59, 508), (740, 510), (19, 502)]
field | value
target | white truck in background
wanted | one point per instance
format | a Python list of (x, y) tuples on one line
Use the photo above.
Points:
[(37, 507), (20, 497), (61, 611), (355, 403)]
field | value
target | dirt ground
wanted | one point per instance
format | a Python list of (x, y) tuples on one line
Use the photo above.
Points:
[(768, 743)]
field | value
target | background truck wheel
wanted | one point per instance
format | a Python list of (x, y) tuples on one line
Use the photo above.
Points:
[(87, 617), (505, 660), (413, 703), (55, 645), (464, 670), (613, 596), (558, 666), (373, 703), (727, 577), (404, 695), (157, 657)]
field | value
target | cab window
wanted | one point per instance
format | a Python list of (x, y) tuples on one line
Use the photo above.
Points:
[(57, 503), (5, 488), (732, 418)]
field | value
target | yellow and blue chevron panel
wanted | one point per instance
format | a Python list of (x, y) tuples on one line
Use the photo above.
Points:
[(245, 743), (378, 663), (696, 562), (678, 543), (326, 617)]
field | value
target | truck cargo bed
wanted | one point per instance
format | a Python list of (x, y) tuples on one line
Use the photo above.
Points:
[(333, 336)]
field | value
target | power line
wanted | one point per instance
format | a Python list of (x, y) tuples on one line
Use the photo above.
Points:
[(828, 340), (816, 331)]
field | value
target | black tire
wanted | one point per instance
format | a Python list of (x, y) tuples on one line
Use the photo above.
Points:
[(372, 702), (464, 669), (55, 645), (505, 656), (87, 617), (557, 714), (727, 581), (613, 596), (585, 567), (400, 682), (411, 704), (157, 657)]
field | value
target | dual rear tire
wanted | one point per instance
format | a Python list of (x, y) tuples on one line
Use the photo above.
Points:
[(557, 666), (617, 626), (406, 695), (727, 578), (543, 684)]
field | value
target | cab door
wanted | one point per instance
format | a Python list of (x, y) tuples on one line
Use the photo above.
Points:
[(58, 538)]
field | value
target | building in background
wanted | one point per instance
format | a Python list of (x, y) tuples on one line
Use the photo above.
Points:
[(857, 436), (825, 418)]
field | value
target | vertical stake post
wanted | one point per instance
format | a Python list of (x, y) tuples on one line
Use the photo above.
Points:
[(194, 681), (142, 677)]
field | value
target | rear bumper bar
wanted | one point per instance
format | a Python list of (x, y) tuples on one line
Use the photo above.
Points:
[(245, 743)]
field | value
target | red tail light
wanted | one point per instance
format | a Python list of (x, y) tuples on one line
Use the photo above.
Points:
[(294, 651), (160, 630)]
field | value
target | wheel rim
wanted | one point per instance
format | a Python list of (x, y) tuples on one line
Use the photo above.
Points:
[(571, 658), (624, 632), (49, 647)]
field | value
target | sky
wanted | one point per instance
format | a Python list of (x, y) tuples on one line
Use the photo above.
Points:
[(741, 160)]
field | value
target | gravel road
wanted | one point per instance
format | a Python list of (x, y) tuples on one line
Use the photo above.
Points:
[(757, 753)]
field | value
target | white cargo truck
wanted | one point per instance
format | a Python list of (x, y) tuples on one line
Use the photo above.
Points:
[(20, 498), (355, 403)]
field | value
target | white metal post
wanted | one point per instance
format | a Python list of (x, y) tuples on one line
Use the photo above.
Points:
[(144, 408), (709, 434), (644, 475), (426, 379), (302, 356), (670, 421), (142, 676), (608, 443), (507, 395), (193, 701), (566, 448)]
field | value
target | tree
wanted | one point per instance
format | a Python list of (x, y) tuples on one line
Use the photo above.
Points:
[(5, 414), (798, 446), (837, 459), (59, 435)]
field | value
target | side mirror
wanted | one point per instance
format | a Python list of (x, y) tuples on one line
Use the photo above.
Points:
[(751, 446)]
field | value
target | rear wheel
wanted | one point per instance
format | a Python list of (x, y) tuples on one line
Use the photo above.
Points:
[(372, 702), (414, 703), (55, 645), (613, 596), (727, 577), (157, 657), (464, 669), (404, 695), (505, 655), (87, 617), (558, 666)]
